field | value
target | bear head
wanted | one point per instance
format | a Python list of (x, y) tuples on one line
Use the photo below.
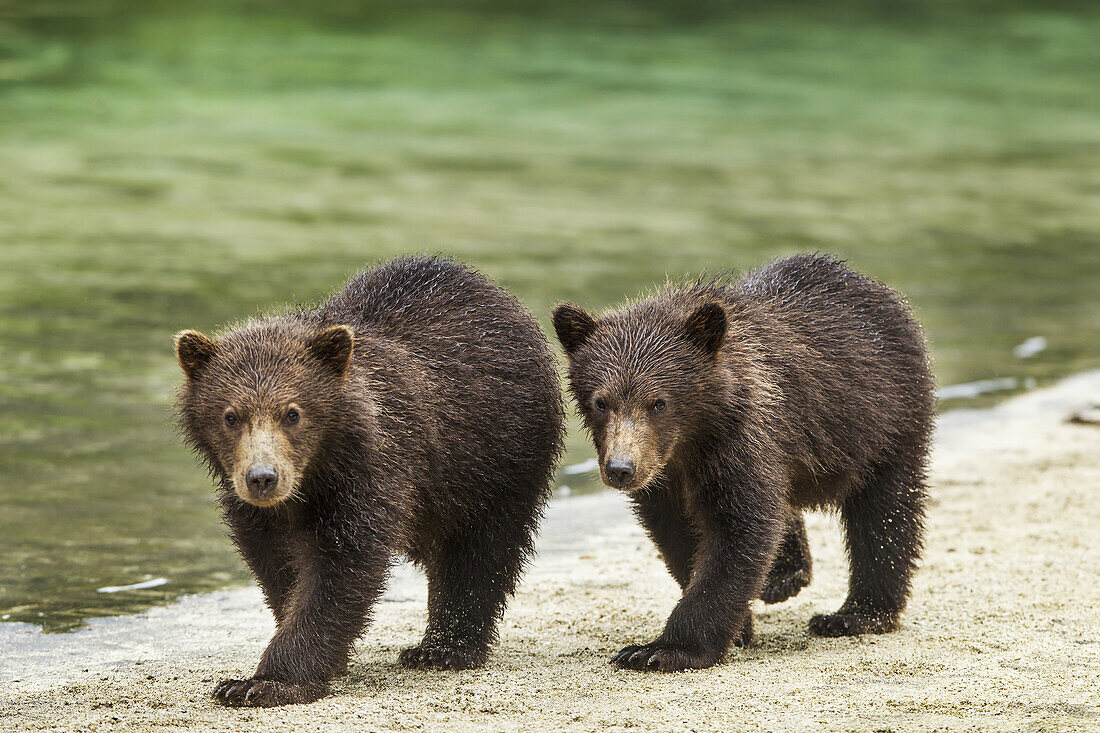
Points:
[(258, 402), (642, 379)]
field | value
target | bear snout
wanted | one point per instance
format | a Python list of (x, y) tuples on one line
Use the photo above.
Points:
[(262, 480), (619, 472)]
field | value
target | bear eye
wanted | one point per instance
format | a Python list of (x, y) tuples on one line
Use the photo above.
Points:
[(231, 420), (293, 416), (659, 406), (601, 406)]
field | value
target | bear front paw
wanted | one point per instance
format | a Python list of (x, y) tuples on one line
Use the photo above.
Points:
[(438, 656), (265, 693), (662, 657)]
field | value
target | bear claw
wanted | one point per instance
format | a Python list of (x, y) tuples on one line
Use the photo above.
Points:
[(661, 657), (265, 693)]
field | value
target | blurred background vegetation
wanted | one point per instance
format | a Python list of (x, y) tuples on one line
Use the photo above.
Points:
[(168, 165)]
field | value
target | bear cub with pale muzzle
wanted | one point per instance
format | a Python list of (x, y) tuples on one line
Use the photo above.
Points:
[(415, 413), (726, 409)]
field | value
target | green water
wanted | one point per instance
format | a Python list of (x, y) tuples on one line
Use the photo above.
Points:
[(177, 169)]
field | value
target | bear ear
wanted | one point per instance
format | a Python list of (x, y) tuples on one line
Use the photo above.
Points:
[(573, 326), (706, 327), (334, 347), (193, 351)]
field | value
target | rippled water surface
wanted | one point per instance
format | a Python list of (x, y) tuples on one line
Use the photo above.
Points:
[(165, 171)]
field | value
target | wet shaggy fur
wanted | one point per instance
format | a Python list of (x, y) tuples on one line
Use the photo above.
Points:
[(726, 409), (419, 414)]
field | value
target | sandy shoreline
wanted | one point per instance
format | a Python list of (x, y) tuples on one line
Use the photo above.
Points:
[(1003, 632)]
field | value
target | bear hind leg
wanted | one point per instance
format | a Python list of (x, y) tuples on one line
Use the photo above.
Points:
[(468, 587), (883, 524)]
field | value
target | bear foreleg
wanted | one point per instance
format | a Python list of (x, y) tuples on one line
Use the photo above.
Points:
[(262, 545), (741, 523), (663, 515), (328, 609)]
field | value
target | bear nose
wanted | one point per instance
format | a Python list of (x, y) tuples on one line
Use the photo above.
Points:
[(619, 471), (261, 479)]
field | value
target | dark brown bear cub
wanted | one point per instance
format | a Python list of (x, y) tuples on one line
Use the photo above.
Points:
[(727, 409), (417, 412)]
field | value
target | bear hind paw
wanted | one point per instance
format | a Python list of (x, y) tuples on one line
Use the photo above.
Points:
[(779, 588), (441, 656), (853, 624)]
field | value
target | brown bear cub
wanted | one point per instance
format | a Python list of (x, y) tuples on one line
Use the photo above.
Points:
[(726, 409), (417, 412)]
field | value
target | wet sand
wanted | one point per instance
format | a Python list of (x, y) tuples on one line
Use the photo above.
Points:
[(1003, 632)]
